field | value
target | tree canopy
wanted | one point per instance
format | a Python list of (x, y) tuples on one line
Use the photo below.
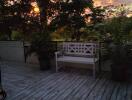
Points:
[(54, 14), (16, 15)]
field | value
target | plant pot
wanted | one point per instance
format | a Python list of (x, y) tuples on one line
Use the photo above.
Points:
[(119, 72), (52, 64), (44, 64), (2, 94)]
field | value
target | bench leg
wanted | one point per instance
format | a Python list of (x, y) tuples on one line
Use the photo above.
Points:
[(99, 67), (56, 67), (94, 70)]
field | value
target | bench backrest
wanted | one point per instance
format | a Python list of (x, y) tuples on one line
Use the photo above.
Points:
[(80, 48)]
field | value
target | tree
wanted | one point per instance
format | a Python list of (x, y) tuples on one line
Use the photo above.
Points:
[(43, 6), (120, 29), (16, 15), (97, 15), (69, 13), (53, 15)]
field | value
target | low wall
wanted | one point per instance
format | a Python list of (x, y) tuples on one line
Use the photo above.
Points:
[(12, 51)]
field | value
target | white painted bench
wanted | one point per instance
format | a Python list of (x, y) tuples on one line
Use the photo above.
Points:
[(78, 52)]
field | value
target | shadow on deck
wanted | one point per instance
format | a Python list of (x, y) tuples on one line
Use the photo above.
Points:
[(27, 82)]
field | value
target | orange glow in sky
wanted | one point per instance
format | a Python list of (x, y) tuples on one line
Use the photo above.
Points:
[(111, 2), (35, 7)]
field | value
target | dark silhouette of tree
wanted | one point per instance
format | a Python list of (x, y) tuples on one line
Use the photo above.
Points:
[(97, 15), (15, 15), (54, 14), (69, 13), (43, 6)]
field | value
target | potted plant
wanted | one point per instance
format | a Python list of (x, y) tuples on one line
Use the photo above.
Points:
[(41, 44), (119, 62), (120, 29)]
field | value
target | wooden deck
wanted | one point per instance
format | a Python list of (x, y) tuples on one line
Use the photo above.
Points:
[(27, 82)]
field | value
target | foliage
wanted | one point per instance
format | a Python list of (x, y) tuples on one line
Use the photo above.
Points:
[(119, 28), (53, 15), (63, 34), (16, 35), (94, 29), (89, 34), (69, 14), (42, 45), (15, 15), (97, 15)]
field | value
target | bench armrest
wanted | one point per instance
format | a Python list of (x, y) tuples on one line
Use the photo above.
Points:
[(58, 53)]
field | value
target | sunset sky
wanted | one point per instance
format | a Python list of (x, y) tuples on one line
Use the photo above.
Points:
[(108, 2)]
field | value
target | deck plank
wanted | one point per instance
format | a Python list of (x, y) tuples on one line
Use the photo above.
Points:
[(122, 92), (115, 92), (64, 88), (79, 90), (101, 91), (71, 88), (31, 91), (27, 82), (129, 92), (108, 91), (93, 94), (49, 88), (60, 87)]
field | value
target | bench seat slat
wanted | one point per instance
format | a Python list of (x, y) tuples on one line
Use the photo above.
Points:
[(77, 59)]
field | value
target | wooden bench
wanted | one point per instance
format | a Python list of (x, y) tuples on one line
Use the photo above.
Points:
[(78, 52)]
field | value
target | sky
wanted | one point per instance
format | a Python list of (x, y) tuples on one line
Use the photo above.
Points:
[(108, 2)]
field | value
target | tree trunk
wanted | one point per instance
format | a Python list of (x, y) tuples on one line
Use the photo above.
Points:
[(43, 6)]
